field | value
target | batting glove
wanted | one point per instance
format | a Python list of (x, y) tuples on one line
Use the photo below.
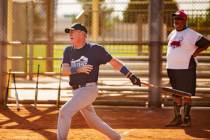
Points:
[(135, 80)]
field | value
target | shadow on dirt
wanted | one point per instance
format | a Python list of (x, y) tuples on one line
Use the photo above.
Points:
[(43, 118)]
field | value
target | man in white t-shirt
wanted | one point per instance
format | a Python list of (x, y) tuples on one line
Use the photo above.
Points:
[(184, 44)]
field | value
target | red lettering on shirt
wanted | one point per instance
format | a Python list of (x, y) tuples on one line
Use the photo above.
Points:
[(175, 44)]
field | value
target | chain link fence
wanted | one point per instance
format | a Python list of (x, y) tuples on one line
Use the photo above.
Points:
[(123, 27), (35, 34)]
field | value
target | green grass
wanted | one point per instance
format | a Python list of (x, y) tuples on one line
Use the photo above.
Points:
[(115, 50), (58, 53)]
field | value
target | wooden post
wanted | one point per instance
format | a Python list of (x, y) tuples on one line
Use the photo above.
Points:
[(9, 25), (3, 48), (30, 37), (95, 20), (18, 32), (50, 30), (140, 24)]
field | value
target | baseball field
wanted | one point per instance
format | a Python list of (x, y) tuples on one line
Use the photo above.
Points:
[(133, 123)]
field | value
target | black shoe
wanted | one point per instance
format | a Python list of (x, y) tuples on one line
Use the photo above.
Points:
[(175, 122), (186, 122)]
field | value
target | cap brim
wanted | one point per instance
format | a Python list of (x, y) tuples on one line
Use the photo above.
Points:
[(178, 17), (174, 15), (67, 30)]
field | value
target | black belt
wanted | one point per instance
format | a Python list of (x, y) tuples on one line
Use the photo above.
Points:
[(74, 87)]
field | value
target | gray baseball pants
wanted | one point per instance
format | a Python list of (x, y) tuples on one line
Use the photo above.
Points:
[(82, 101)]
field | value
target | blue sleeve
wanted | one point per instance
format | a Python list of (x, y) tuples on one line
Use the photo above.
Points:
[(66, 55), (103, 55)]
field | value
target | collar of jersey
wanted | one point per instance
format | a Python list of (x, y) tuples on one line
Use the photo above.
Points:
[(80, 49), (182, 29)]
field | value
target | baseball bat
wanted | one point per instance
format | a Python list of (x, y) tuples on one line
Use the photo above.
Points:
[(37, 86), (168, 90), (59, 90), (7, 90), (16, 94)]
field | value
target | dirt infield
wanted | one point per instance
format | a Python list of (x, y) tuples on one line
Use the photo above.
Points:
[(133, 123)]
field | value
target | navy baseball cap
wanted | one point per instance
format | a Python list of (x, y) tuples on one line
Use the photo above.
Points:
[(181, 14), (76, 26)]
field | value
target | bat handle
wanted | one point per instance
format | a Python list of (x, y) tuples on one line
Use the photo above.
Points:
[(147, 84), (37, 86), (59, 90)]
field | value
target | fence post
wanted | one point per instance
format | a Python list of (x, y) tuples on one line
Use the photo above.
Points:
[(95, 20), (30, 32), (18, 32), (50, 33), (155, 50), (3, 48), (140, 24)]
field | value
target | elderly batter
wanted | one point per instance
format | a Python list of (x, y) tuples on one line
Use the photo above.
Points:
[(183, 46), (81, 62)]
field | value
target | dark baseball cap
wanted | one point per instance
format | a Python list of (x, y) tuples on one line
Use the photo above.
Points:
[(76, 26), (181, 14)]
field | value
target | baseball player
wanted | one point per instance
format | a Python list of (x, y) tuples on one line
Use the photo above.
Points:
[(183, 46), (81, 62)]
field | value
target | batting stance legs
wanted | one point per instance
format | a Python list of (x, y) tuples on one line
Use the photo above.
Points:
[(77, 103)]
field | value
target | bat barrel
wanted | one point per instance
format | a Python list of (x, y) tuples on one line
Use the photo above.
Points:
[(59, 90), (16, 93), (168, 90)]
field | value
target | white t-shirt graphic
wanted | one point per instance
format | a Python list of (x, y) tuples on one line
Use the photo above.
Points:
[(181, 46), (82, 61)]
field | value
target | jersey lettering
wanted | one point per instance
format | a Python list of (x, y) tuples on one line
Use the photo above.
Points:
[(79, 62)]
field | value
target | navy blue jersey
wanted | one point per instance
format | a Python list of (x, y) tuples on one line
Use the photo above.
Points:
[(91, 54)]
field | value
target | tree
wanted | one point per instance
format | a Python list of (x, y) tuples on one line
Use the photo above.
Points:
[(206, 22), (104, 12), (40, 19), (136, 7), (200, 22)]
